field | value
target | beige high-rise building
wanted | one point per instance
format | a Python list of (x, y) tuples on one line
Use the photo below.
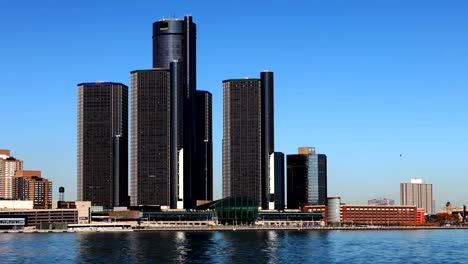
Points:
[(417, 193), (8, 166)]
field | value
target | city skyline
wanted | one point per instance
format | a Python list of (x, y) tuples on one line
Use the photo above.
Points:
[(382, 83)]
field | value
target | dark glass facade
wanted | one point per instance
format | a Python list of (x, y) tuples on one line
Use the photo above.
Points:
[(248, 137), (176, 128), (151, 138), (203, 180), (102, 143), (233, 210), (307, 180), (279, 188)]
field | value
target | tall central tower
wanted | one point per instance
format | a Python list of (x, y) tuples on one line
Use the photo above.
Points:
[(165, 164)]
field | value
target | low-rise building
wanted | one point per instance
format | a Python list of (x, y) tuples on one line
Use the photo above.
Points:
[(15, 204), (33, 217), (373, 214)]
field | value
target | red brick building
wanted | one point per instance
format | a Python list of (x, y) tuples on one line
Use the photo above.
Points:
[(374, 214)]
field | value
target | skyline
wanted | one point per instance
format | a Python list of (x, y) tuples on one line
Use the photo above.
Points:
[(414, 57)]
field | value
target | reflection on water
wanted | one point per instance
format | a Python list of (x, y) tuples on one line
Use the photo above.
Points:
[(237, 247)]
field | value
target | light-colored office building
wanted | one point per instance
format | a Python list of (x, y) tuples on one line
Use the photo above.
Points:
[(417, 193), (8, 167)]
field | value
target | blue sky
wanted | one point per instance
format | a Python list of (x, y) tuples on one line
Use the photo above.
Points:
[(362, 81)]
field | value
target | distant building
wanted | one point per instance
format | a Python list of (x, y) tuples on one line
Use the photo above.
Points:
[(103, 143), (8, 166), (29, 185), (248, 137), (381, 201), (307, 178), (417, 193)]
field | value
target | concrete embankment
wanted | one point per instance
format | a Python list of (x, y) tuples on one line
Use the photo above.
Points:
[(237, 228), (260, 228)]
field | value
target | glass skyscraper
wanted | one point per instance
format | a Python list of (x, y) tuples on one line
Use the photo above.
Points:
[(178, 137), (102, 143), (248, 137), (306, 178), (151, 135)]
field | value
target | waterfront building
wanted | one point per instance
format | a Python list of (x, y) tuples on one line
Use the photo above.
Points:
[(417, 193), (381, 215), (180, 123), (103, 143), (43, 216), (336, 213), (248, 137), (381, 201), (29, 185), (8, 167), (307, 178)]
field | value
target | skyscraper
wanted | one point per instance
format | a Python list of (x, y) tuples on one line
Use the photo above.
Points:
[(152, 163), (172, 82), (417, 193), (248, 136), (103, 143), (307, 178), (8, 167)]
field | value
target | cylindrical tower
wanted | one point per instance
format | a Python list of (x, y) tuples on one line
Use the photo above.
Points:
[(334, 210), (266, 83), (175, 40), (168, 42)]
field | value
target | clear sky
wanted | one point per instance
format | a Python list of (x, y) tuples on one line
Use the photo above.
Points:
[(362, 81)]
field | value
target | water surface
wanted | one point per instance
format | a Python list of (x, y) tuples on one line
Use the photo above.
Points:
[(415, 246)]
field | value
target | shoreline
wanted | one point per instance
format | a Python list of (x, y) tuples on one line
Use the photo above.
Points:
[(237, 228)]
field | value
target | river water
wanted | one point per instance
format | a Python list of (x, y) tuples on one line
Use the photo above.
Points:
[(251, 247)]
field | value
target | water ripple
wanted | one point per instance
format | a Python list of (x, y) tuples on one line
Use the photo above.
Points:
[(251, 247)]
